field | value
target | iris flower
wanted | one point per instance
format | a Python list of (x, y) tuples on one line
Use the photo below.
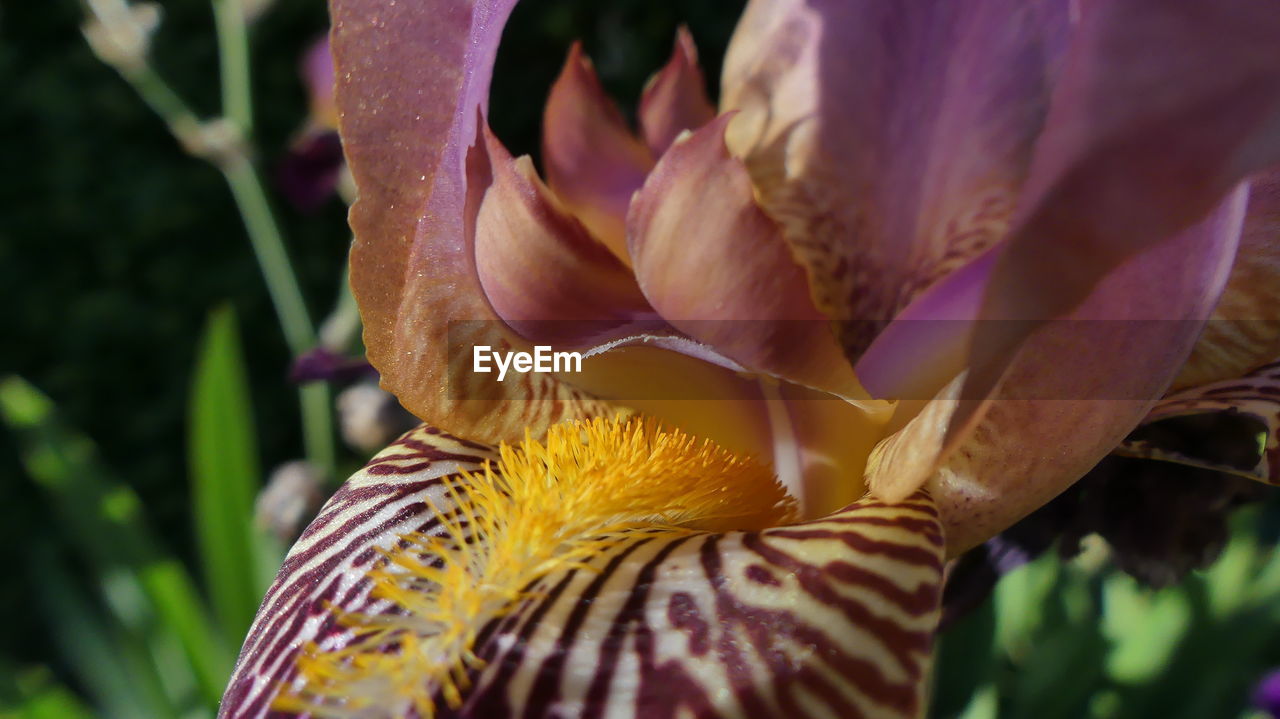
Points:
[(926, 264)]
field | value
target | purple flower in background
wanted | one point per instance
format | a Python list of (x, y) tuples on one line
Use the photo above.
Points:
[(316, 70), (1266, 696), (322, 365), (309, 173)]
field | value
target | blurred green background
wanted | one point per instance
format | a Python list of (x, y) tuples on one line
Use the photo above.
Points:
[(137, 317)]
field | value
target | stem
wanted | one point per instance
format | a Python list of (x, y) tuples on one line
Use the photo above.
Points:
[(291, 310), (268, 246), (233, 64), (264, 234), (229, 153)]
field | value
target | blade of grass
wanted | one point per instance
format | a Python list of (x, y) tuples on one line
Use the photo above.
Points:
[(223, 462), (33, 693), (104, 520), (112, 665)]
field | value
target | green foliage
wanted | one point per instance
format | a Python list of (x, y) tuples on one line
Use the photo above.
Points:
[(157, 629), (238, 559), (133, 629), (1082, 639)]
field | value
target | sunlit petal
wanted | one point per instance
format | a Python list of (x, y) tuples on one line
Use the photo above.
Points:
[(1244, 330), (545, 276), (828, 617), (1128, 159), (889, 139), (412, 263), (593, 160), (1111, 358), (717, 268), (675, 99)]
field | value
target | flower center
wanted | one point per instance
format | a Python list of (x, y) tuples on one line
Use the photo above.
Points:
[(543, 508)]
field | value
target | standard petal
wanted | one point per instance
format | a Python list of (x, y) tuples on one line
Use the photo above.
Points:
[(927, 343), (594, 162), (675, 99), (1244, 330), (1254, 398), (828, 617), (717, 268), (546, 277), (1075, 389), (413, 78), (1161, 108), (889, 139)]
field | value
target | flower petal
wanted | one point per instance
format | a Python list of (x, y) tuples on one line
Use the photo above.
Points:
[(593, 160), (545, 276), (1254, 398), (316, 70), (326, 567), (1128, 157), (828, 617), (889, 139), (816, 443), (927, 343), (831, 617), (1244, 330), (412, 263), (716, 268), (1074, 390), (675, 99)]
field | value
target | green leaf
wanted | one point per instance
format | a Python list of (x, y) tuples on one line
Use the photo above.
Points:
[(225, 477), (34, 694), (965, 662), (111, 662), (1144, 626), (104, 520)]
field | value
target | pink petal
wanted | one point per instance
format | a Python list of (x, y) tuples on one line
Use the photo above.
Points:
[(545, 276), (1244, 330), (927, 343), (593, 160), (889, 138), (716, 268), (1074, 391), (675, 99), (413, 78), (1162, 106), (1079, 385)]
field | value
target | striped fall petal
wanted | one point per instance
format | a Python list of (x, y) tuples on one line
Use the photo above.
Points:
[(613, 569), (1253, 398)]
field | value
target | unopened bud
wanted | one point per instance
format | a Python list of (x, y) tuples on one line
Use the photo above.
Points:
[(218, 140), (291, 498), (371, 418), (120, 33)]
